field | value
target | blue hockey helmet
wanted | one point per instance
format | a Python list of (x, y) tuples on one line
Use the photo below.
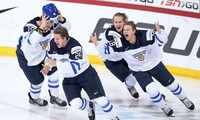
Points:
[(50, 11)]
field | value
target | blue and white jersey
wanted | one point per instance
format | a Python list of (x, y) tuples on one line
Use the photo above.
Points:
[(106, 52), (111, 44), (34, 44), (71, 60), (145, 54)]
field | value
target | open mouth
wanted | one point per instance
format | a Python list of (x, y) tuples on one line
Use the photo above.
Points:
[(118, 28), (126, 36)]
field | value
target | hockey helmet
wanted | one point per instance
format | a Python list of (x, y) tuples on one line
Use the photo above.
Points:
[(50, 11)]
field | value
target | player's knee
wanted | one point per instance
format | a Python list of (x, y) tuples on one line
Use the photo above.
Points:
[(105, 104), (37, 86), (151, 89), (101, 101), (54, 76), (172, 86), (76, 103), (130, 80)]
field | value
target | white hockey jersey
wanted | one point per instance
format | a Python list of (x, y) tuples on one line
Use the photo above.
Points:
[(145, 54), (106, 52), (71, 60), (111, 44), (34, 44)]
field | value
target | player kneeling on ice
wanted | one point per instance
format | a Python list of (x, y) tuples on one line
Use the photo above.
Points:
[(73, 65)]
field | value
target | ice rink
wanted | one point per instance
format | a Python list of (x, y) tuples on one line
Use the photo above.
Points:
[(14, 103)]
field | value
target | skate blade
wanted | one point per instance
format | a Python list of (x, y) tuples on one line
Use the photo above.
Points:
[(36, 105), (59, 107), (172, 115)]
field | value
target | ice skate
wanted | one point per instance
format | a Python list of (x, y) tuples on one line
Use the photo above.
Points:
[(116, 118), (56, 101), (188, 103), (168, 111), (91, 111), (38, 102), (134, 93)]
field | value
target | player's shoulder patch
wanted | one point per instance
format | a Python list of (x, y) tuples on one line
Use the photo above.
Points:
[(77, 52), (76, 49), (30, 27), (150, 35)]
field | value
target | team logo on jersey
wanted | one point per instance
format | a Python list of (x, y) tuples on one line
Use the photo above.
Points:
[(140, 55), (44, 43)]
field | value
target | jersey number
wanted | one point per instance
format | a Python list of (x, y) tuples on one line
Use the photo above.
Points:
[(75, 66)]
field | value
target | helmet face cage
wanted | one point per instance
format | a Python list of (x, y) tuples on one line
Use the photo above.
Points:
[(51, 12)]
